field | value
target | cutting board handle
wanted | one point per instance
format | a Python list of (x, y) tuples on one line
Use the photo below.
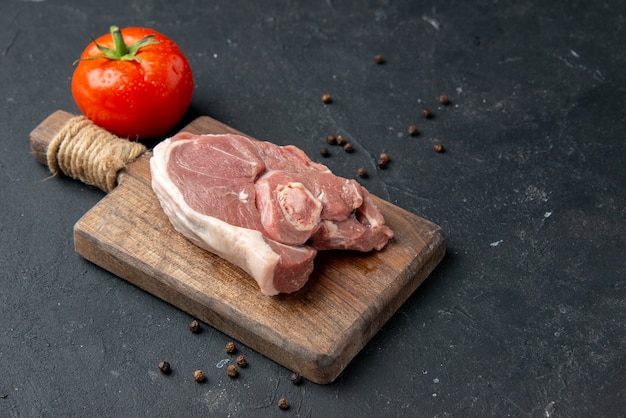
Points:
[(42, 135), (79, 149)]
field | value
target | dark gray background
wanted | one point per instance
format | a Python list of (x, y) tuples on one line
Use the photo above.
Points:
[(525, 316)]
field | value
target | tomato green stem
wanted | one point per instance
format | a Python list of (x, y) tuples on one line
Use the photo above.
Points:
[(121, 51), (118, 42)]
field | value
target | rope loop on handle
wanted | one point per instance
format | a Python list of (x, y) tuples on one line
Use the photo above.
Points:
[(86, 152)]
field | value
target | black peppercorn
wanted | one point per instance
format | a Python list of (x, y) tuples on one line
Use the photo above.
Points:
[(379, 59), (413, 131), (341, 140), (194, 326), (232, 371), (444, 99), (283, 403), (427, 113), (348, 148), (383, 160), (295, 378), (165, 367), (331, 139), (324, 152), (230, 347), (361, 172), (326, 98), (199, 376), (241, 361), (439, 148)]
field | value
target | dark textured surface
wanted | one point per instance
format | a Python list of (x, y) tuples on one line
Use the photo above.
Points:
[(524, 317)]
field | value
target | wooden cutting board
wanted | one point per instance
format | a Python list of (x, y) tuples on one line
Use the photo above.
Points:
[(316, 331)]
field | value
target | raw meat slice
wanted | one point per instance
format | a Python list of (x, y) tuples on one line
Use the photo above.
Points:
[(364, 231), (264, 208)]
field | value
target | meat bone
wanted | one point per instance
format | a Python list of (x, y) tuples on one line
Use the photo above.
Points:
[(316, 331)]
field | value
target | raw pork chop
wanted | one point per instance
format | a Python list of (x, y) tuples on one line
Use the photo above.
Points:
[(264, 208)]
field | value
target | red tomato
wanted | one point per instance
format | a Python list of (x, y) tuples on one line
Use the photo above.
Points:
[(135, 84)]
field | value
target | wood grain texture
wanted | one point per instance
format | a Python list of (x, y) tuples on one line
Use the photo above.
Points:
[(316, 331), (42, 135)]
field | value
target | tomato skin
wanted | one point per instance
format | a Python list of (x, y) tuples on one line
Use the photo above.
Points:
[(142, 98)]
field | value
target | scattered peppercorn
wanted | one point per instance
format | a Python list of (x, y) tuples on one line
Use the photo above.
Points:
[(326, 98), (331, 139), (444, 99), (348, 148), (199, 376), (379, 59), (230, 347), (296, 379), (283, 403), (341, 140), (439, 148), (194, 326), (427, 113), (383, 160), (361, 172), (232, 371), (413, 131), (241, 361), (165, 367), (324, 152)]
